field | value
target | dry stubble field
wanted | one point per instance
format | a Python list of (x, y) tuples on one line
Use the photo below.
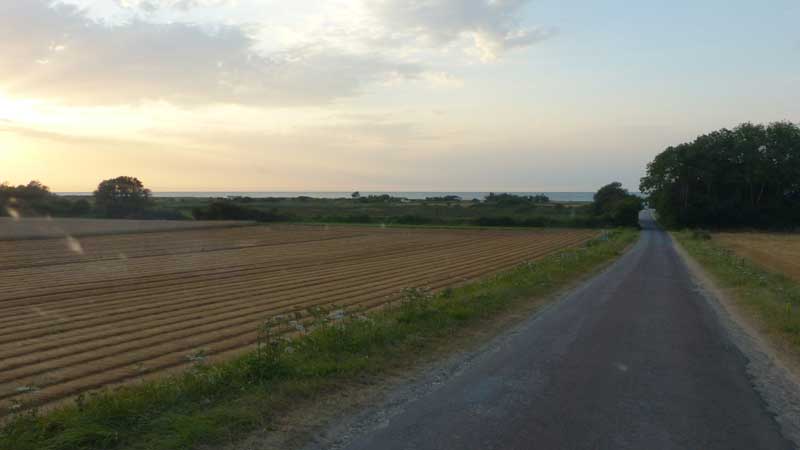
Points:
[(78, 314), (779, 252)]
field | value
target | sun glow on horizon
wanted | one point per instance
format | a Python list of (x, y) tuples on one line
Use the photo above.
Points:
[(377, 95)]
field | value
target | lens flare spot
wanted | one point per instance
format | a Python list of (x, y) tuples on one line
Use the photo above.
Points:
[(13, 213), (74, 245)]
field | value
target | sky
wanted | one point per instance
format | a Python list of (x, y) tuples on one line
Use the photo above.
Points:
[(380, 95)]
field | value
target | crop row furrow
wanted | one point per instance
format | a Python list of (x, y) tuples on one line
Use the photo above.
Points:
[(238, 333), (241, 316), (193, 299), (273, 262)]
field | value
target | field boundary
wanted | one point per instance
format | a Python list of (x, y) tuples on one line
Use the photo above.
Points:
[(221, 226), (395, 226), (772, 366), (736, 282)]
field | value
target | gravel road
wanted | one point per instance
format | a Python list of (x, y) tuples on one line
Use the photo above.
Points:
[(639, 357)]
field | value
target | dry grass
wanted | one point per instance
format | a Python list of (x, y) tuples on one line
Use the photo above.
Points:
[(778, 252)]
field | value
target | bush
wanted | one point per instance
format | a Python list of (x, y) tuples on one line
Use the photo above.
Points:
[(228, 210), (615, 206), (81, 208), (625, 213)]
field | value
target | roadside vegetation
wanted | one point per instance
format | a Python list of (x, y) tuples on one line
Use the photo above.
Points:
[(221, 402), (745, 177), (771, 298)]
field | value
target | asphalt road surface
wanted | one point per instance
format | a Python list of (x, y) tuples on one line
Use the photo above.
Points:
[(634, 359)]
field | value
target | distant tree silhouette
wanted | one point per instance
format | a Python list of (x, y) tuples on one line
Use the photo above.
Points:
[(122, 197), (506, 199)]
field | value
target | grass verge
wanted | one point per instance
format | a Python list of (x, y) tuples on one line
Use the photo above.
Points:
[(219, 403), (769, 298)]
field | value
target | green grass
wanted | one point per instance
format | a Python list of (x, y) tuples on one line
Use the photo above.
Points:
[(771, 298), (219, 403)]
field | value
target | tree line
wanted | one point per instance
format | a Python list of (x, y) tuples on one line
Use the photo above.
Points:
[(121, 197), (748, 176), (126, 197)]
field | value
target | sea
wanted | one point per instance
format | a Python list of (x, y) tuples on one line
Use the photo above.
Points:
[(411, 195)]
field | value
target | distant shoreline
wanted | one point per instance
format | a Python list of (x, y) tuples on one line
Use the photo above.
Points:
[(414, 195)]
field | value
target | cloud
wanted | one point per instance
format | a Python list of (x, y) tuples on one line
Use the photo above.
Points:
[(151, 6), (492, 25), (11, 127), (54, 51)]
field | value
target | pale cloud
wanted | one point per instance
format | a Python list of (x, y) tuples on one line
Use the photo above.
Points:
[(492, 25), (56, 52), (73, 54), (443, 79), (151, 6)]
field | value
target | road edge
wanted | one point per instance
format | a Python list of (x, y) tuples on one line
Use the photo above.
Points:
[(353, 410), (773, 374), (427, 377)]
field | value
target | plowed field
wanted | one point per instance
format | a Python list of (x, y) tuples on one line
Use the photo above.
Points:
[(80, 314)]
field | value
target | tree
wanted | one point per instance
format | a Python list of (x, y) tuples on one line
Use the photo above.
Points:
[(747, 176), (625, 213), (607, 196), (32, 199), (616, 206), (122, 197), (506, 199)]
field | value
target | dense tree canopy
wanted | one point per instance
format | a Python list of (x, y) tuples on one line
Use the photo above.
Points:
[(748, 176), (122, 197), (616, 206), (515, 199)]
